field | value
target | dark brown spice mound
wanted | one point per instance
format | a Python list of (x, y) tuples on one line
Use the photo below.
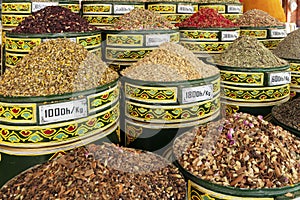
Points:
[(99, 172), (288, 113), (288, 48), (53, 19)]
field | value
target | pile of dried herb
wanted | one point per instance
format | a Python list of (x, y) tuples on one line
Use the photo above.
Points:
[(100, 172), (53, 19), (142, 19), (56, 67), (206, 18), (168, 63), (257, 18), (248, 52), (289, 47), (241, 151)]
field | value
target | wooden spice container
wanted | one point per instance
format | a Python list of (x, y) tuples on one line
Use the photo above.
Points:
[(14, 12), (105, 13), (231, 11), (18, 45), (254, 88), (155, 112), (121, 48), (34, 129), (205, 41), (269, 36), (173, 11)]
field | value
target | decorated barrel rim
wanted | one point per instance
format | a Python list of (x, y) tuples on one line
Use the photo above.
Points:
[(125, 46), (232, 17), (198, 188), (208, 34), (175, 100), (14, 12), (253, 76), (267, 32), (31, 122), (105, 13), (173, 11), (224, 8), (295, 74), (207, 40), (14, 160), (18, 45)]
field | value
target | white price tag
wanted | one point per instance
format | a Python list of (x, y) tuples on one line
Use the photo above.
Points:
[(185, 9), (195, 94), (122, 9), (234, 9), (36, 6), (278, 33), (229, 35), (155, 40), (279, 78), (62, 111)]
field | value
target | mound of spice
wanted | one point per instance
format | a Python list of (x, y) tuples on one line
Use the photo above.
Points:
[(168, 63), (56, 67), (206, 18), (258, 18), (53, 19), (241, 151), (289, 47), (288, 113), (99, 172), (142, 19), (248, 52)]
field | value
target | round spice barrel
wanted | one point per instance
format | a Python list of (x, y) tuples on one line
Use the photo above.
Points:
[(18, 45), (155, 113), (269, 36), (173, 11), (121, 48), (105, 13), (231, 11), (14, 12), (255, 90), (205, 41), (34, 129)]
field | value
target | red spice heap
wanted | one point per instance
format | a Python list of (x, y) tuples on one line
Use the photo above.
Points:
[(206, 18)]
